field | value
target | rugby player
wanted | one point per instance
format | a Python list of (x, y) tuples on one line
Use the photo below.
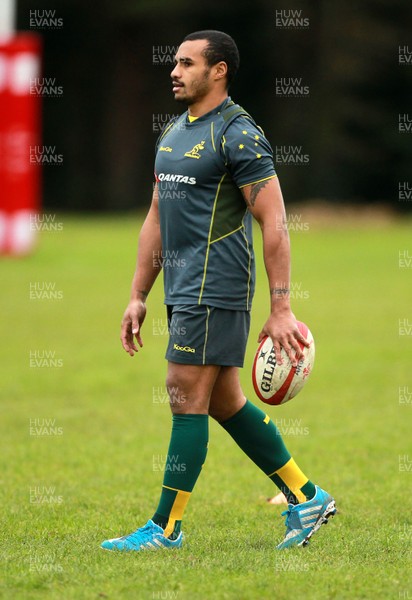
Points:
[(220, 164)]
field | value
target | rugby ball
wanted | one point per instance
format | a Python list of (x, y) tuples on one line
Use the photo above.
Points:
[(278, 383)]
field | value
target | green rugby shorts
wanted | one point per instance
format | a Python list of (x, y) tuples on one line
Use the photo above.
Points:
[(207, 335)]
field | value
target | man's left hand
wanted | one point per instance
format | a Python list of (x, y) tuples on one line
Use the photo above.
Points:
[(283, 330)]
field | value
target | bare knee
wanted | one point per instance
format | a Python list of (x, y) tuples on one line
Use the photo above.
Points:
[(223, 412), (189, 387), (227, 396), (176, 385)]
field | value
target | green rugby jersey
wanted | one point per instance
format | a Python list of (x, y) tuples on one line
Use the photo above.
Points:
[(206, 229)]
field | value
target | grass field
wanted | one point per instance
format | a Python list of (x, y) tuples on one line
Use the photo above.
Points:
[(85, 428)]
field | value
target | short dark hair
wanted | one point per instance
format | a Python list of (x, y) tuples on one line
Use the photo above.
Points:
[(220, 47)]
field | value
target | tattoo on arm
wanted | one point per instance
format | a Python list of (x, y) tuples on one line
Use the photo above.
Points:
[(279, 292), (254, 191), (144, 294)]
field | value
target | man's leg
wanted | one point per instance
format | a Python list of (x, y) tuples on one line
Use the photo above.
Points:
[(257, 436), (189, 388), (309, 506)]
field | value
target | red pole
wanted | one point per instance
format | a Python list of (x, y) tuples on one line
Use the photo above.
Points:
[(20, 123)]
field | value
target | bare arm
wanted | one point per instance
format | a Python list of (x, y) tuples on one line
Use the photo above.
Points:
[(147, 269), (265, 202)]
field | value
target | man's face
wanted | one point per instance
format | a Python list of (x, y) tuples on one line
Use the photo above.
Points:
[(191, 76)]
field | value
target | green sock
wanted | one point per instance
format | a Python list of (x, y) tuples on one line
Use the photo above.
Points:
[(259, 438), (185, 458)]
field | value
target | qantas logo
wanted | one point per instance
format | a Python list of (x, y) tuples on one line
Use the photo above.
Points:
[(177, 178)]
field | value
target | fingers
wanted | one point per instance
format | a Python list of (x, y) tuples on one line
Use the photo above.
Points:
[(131, 325), (294, 352), (126, 338), (290, 344), (136, 333), (284, 333), (128, 344), (301, 339), (262, 335), (278, 355)]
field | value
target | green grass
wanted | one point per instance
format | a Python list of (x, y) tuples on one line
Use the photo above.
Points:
[(350, 429)]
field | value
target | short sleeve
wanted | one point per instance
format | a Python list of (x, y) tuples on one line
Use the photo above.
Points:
[(247, 153)]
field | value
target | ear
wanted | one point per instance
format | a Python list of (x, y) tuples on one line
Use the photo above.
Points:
[(220, 70)]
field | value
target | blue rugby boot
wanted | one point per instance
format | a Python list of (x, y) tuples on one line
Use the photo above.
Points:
[(148, 537), (303, 520)]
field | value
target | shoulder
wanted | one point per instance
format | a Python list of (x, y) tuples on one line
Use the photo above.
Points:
[(244, 134), (243, 125)]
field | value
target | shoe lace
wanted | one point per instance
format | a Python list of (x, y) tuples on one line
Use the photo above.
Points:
[(141, 535), (286, 513)]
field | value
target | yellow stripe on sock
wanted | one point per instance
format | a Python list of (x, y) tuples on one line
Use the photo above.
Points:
[(170, 488), (293, 477), (266, 419), (178, 508)]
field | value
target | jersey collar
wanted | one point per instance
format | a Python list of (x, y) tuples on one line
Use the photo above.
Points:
[(206, 116)]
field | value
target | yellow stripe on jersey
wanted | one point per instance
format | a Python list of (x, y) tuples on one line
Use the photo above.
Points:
[(266, 419), (166, 130), (212, 134), (223, 144), (258, 181), (210, 235), (226, 235), (249, 266)]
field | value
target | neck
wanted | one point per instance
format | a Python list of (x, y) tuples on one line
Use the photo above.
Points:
[(205, 105)]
